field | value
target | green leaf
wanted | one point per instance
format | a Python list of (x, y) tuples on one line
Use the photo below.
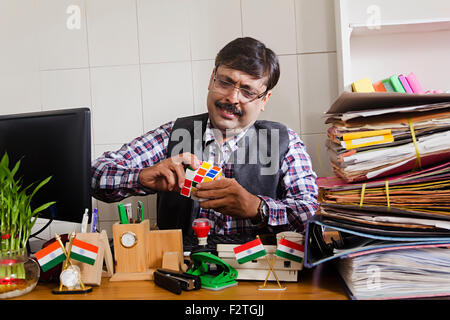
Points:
[(15, 169), (40, 185), (16, 214), (43, 207), (5, 161)]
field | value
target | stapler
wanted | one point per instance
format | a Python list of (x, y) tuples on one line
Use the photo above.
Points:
[(176, 281), (214, 273)]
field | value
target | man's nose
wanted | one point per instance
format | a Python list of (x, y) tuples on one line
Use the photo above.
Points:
[(233, 96)]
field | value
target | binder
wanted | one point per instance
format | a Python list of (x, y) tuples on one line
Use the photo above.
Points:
[(405, 84), (414, 83), (363, 85), (387, 85), (354, 239), (396, 84), (379, 87)]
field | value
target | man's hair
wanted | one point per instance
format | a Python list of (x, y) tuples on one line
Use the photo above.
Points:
[(252, 57)]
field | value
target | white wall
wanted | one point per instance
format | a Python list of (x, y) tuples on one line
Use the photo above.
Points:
[(412, 36), (398, 10), (139, 63)]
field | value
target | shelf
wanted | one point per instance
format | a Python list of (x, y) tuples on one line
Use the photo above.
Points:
[(405, 26), (413, 40)]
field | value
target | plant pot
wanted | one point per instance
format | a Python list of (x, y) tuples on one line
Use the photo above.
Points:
[(19, 274)]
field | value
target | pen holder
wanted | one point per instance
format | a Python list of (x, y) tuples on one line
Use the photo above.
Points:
[(130, 246), (138, 252)]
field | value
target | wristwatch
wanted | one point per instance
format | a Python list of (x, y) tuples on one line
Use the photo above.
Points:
[(263, 211)]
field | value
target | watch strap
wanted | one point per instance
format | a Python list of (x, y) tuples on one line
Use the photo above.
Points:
[(262, 213)]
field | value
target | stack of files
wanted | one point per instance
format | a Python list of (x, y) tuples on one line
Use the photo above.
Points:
[(380, 134), (400, 261), (390, 198), (360, 224), (329, 238), (405, 273), (424, 193)]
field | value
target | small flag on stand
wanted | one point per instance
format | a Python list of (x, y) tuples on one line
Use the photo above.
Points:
[(83, 252), (50, 256), (290, 250), (249, 251)]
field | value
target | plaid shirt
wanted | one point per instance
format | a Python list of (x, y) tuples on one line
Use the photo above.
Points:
[(115, 177)]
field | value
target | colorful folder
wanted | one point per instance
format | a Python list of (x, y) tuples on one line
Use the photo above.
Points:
[(405, 84), (396, 84), (379, 87), (363, 85), (414, 83)]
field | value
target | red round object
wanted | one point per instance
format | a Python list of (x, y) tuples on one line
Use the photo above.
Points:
[(201, 227), (201, 232)]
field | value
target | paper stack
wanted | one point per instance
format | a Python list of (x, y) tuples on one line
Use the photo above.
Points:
[(380, 134), (391, 192), (424, 193), (412, 273)]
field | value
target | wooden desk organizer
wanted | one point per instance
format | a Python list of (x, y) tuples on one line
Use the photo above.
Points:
[(141, 260), (92, 274)]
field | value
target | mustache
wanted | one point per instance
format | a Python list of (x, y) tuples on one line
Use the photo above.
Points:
[(228, 107)]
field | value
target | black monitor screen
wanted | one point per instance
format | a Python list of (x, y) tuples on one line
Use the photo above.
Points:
[(57, 144)]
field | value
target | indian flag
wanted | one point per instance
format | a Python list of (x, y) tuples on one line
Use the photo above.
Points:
[(249, 251), (83, 252), (290, 250), (50, 256)]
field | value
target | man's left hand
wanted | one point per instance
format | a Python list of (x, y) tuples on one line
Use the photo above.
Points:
[(227, 196)]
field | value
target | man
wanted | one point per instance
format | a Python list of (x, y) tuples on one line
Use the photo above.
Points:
[(268, 181)]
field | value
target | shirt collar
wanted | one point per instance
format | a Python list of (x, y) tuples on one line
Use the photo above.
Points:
[(209, 136)]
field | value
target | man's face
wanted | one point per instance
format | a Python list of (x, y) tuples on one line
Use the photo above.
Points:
[(232, 110)]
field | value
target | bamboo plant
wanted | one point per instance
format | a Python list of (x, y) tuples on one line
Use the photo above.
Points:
[(17, 218)]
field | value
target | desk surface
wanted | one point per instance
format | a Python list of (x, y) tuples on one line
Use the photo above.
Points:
[(320, 283)]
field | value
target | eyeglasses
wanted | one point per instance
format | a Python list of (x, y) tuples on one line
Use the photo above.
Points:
[(225, 87)]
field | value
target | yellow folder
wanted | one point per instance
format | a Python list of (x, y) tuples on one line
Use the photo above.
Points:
[(363, 85)]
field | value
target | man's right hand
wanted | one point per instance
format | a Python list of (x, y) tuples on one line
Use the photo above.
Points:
[(169, 174)]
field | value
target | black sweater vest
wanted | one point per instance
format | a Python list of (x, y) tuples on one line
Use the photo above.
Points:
[(251, 165)]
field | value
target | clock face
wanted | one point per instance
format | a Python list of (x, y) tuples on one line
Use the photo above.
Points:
[(70, 277), (128, 239)]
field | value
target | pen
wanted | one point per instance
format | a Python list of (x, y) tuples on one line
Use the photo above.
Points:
[(94, 220), (129, 212), (122, 213), (84, 222), (140, 212)]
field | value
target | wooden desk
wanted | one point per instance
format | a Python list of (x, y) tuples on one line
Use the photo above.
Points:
[(321, 283)]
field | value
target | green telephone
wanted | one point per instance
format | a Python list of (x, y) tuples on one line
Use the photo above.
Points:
[(223, 277)]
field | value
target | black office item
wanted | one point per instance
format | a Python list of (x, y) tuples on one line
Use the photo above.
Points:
[(52, 143), (359, 239), (176, 281), (168, 283), (190, 242)]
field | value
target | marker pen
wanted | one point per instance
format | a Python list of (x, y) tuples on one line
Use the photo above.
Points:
[(94, 220), (84, 222)]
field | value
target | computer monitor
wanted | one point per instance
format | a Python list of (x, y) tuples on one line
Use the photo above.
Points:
[(52, 143)]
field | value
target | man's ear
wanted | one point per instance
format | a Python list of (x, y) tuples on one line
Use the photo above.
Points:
[(211, 79), (265, 100)]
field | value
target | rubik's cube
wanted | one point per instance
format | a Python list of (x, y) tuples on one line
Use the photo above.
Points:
[(207, 172)]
